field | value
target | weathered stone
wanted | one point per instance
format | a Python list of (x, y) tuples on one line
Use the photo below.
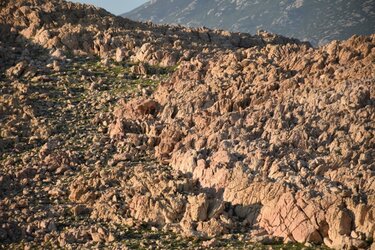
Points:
[(120, 54)]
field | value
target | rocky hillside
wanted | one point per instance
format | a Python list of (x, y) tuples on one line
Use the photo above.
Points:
[(117, 134), (314, 20)]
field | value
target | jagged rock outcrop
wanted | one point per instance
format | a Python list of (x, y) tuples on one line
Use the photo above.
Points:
[(284, 126), (85, 29)]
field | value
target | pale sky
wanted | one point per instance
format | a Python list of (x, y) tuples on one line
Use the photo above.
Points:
[(116, 7)]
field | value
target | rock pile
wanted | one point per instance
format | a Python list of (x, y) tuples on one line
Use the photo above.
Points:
[(259, 135), (83, 30), (285, 132)]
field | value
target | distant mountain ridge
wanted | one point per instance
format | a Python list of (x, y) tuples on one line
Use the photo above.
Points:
[(317, 21)]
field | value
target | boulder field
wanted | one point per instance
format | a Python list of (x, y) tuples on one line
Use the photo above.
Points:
[(204, 133), (283, 134)]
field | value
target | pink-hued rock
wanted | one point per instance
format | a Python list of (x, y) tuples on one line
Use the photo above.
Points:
[(267, 128), (257, 134)]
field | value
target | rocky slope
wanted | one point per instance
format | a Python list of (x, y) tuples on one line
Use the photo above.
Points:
[(120, 134), (316, 21)]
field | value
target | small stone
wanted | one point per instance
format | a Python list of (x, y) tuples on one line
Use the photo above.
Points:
[(96, 237), (308, 244), (354, 235), (79, 210), (120, 54), (111, 238), (210, 243)]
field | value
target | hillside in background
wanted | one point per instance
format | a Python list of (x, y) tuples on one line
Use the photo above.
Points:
[(316, 21)]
